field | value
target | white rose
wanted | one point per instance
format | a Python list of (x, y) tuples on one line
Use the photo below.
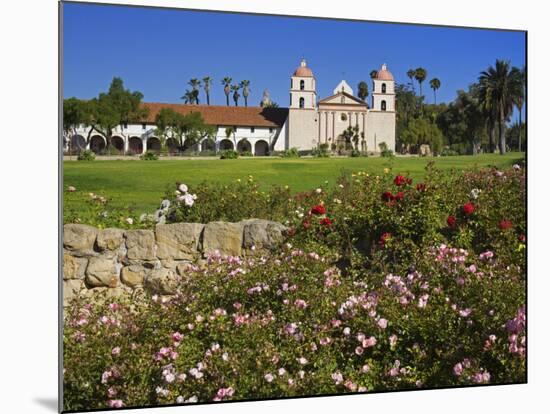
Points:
[(183, 188), (188, 200), (130, 220)]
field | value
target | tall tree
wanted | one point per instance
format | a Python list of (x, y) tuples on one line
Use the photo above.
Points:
[(226, 82), (435, 84), (420, 75), (73, 116), (519, 102), (411, 73), (373, 73), (245, 85), (362, 90), (236, 94), (188, 97), (500, 87), (188, 129), (117, 107), (206, 84), (195, 85)]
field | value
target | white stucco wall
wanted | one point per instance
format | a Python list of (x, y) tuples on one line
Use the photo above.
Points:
[(380, 128)]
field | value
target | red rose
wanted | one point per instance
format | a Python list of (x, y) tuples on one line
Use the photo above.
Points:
[(409, 181), (468, 208), (399, 180), (420, 187), (318, 209), (451, 221), (522, 238), (326, 222), (399, 196), (384, 238), (291, 232), (306, 224), (387, 196), (505, 224)]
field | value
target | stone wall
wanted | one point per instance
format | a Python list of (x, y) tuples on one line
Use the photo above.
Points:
[(116, 261)]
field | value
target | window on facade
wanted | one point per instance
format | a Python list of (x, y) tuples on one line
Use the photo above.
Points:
[(125, 125), (383, 88), (302, 85), (270, 130), (143, 126), (251, 130), (302, 102), (291, 83), (383, 105), (290, 99)]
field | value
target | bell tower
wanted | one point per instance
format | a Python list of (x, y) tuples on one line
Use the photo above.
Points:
[(302, 88), (383, 91), (302, 112)]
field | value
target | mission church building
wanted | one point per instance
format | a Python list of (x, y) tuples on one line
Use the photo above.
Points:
[(307, 123)]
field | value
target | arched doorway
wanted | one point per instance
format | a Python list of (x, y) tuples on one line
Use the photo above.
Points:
[(244, 146), (97, 144), (117, 143), (135, 145), (261, 148), (208, 145), (77, 144), (172, 145), (153, 144), (225, 145)]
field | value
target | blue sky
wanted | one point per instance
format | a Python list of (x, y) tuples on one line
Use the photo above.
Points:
[(156, 51)]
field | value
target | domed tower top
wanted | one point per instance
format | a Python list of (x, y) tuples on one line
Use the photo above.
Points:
[(384, 74), (303, 94), (303, 71)]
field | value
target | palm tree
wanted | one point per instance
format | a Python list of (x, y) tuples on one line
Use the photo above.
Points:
[(206, 83), (362, 90), (420, 75), (373, 73), (500, 87), (519, 101), (188, 98), (236, 94), (195, 84), (411, 73), (226, 82), (435, 84), (246, 90)]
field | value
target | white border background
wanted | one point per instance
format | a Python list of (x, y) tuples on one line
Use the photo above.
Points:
[(28, 269)]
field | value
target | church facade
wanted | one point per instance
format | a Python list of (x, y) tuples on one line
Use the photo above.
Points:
[(307, 123)]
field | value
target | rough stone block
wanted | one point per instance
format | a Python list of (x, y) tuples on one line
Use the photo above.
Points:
[(178, 241)]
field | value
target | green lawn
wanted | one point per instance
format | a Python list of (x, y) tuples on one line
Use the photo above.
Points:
[(141, 184)]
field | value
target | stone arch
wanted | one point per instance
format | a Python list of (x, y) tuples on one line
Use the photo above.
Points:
[(77, 143), (261, 148), (383, 105), (97, 144), (172, 145), (301, 102), (383, 88), (135, 145), (117, 142), (226, 144), (244, 146), (153, 144)]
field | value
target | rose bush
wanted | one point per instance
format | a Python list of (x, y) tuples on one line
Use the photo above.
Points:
[(375, 289)]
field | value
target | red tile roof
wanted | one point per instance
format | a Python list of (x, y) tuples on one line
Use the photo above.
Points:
[(225, 115)]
